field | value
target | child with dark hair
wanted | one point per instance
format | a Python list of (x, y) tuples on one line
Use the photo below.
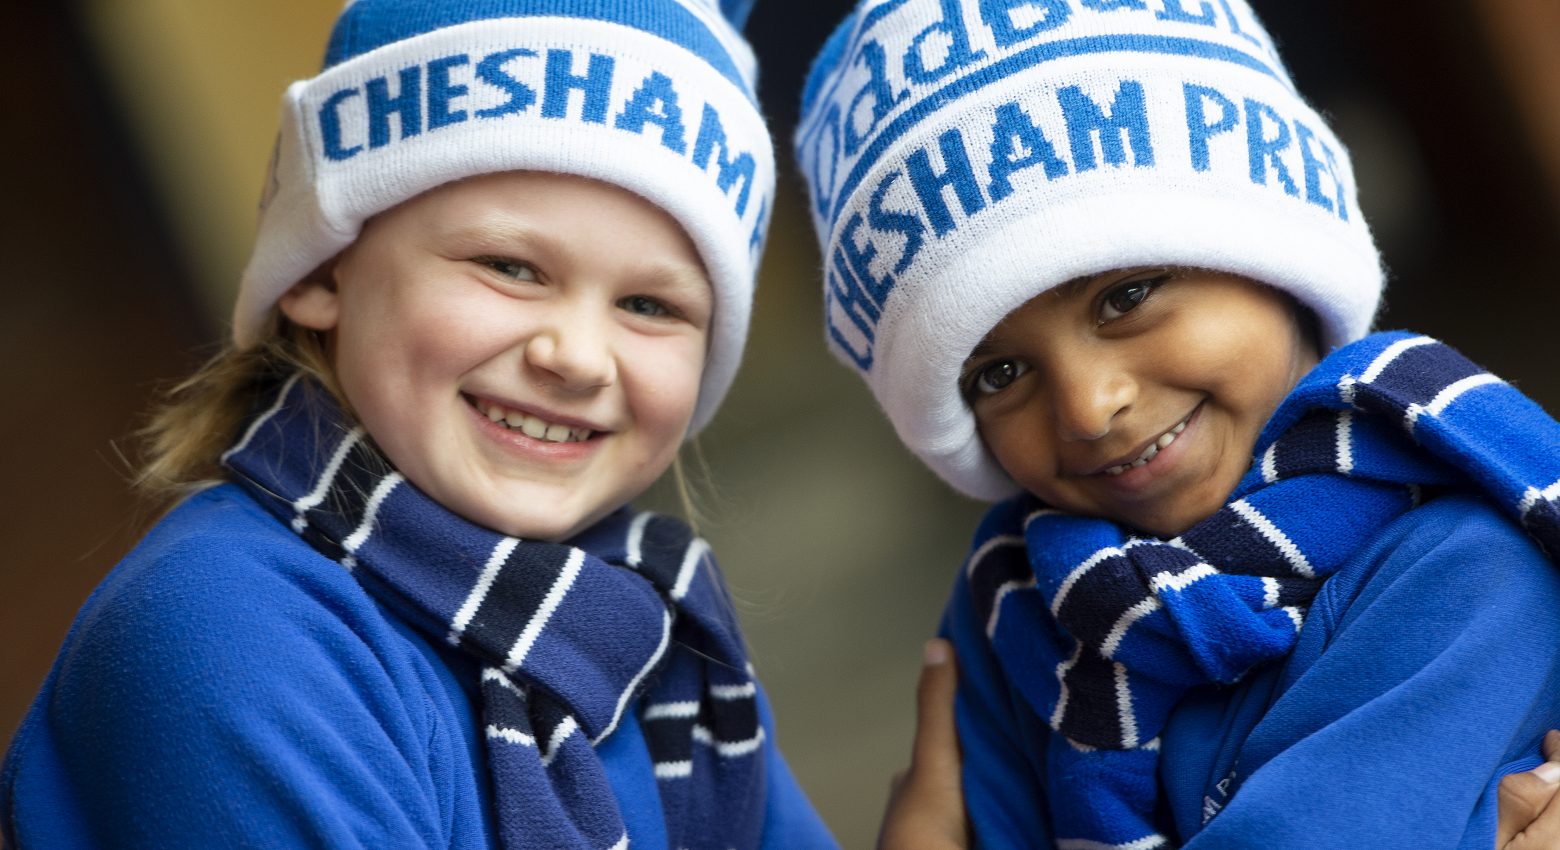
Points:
[(1254, 576)]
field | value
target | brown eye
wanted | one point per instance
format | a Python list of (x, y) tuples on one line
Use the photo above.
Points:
[(996, 376), (1128, 295), (1125, 298)]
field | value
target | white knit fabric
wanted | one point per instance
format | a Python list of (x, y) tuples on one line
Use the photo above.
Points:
[(664, 123), (965, 156)]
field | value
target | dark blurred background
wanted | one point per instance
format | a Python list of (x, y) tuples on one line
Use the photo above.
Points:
[(135, 138)]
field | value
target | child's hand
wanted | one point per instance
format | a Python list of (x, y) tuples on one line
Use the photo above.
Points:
[(926, 803), (1527, 820)]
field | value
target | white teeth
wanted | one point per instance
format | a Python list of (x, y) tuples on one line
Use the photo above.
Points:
[(1148, 454), (534, 427), (531, 426)]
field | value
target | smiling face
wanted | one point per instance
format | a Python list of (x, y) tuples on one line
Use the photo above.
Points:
[(524, 347), (1137, 395)]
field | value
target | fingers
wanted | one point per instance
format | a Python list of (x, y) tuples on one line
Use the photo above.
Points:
[(1526, 819), (936, 753), (1521, 797), (926, 804)]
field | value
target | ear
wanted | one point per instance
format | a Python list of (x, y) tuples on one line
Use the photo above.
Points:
[(313, 302)]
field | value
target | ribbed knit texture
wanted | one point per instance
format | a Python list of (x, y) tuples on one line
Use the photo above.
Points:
[(654, 96), (963, 156), (568, 635), (1105, 630)]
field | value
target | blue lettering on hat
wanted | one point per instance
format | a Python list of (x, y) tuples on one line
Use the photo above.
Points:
[(896, 221), (756, 238), (958, 55), (441, 92), (655, 102), (1264, 150), (729, 171), (1046, 14), (1173, 11), (1017, 143), (1113, 5), (1198, 129), (1128, 114), (491, 71), (330, 126), (851, 293), (595, 85), (957, 173), (860, 258), (824, 152), (407, 106), (1236, 28), (883, 97), (845, 299), (427, 97), (1313, 170)]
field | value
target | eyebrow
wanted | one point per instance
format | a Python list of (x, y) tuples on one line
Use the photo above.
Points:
[(676, 276), (984, 347), (491, 230), (680, 276)]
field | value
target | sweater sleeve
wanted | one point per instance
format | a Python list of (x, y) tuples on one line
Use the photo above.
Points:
[(1431, 673), (225, 690)]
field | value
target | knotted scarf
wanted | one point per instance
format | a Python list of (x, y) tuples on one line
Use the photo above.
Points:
[(1102, 631), (629, 615)]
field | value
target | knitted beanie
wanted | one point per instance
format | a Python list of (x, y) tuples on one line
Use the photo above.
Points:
[(655, 96), (964, 156)]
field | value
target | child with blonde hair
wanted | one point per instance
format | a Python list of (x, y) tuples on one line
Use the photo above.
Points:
[(1254, 577), (504, 268)]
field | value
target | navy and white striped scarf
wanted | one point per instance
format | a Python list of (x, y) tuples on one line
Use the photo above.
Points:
[(569, 637), (1102, 631)]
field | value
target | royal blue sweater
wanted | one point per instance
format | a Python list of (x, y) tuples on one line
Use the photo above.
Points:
[(1428, 668), (227, 686)]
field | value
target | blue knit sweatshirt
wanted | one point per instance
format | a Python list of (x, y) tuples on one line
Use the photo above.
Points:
[(227, 686), (1427, 669)]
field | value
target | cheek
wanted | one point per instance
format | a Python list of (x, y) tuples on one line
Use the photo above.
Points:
[(1021, 447), (662, 377)]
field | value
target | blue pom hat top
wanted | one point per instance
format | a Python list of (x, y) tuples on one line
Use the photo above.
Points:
[(655, 96), (963, 156)]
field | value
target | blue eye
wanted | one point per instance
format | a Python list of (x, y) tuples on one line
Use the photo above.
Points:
[(515, 269), (643, 305), (996, 376)]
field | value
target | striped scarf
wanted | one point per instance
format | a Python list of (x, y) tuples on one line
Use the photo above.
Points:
[(1102, 631), (569, 637)]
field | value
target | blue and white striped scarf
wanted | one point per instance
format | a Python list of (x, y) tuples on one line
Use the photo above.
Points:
[(1102, 631), (569, 637)]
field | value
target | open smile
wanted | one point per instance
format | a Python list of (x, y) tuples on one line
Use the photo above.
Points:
[(532, 426), (1154, 447)]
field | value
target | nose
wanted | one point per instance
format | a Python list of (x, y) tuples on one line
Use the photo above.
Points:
[(1091, 392), (572, 351)]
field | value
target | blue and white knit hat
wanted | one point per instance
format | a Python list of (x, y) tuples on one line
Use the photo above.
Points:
[(656, 96), (964, 156)]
